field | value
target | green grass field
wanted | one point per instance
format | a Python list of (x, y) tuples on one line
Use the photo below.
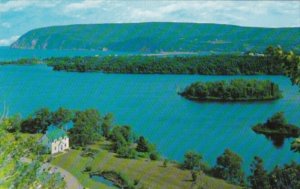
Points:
[(151, 174)]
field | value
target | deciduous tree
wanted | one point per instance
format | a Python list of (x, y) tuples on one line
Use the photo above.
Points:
[(259, 176), (229, 167)]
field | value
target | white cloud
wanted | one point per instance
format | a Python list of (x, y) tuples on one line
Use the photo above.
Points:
[(83, 5), (18, 5), (6, 25), (251, 13), (13, 5), (8, 41)]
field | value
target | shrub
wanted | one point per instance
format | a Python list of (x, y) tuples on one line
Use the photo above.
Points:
[(136, 182), (154, 156), (165, 163), (126, 152), (194, 175), (192, 160), (88, 152), (88, 169)]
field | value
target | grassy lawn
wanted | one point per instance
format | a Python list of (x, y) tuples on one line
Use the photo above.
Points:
[(151, 174)]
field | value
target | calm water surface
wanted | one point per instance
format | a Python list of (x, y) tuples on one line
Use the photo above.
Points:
[(7, 54), (101, 179), (150, 104)]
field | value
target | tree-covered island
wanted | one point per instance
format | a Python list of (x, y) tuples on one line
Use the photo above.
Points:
[(234, 90), (277, 125)]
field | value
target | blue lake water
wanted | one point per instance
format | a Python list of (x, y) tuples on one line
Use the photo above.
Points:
[(101, 179), (7, 54), (150, 104)]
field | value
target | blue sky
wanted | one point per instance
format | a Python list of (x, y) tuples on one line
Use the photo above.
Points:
[(20, 16)]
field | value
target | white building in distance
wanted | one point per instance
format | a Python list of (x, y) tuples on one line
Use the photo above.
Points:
[(55, 140)]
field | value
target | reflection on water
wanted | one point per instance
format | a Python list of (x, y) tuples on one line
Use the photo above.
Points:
[(277, 140)]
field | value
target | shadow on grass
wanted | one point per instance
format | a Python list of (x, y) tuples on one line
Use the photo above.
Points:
[(107, 147), (188, 180)]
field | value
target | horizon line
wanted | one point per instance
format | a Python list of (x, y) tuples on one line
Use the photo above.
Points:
[(174, 22)]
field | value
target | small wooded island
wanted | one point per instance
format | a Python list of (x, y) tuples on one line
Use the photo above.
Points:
[(277, 125), (234, 90)]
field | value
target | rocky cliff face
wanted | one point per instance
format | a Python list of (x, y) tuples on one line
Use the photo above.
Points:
[(157, 37)]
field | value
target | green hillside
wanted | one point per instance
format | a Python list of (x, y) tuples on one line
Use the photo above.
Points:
[(158, 37), (150, 174)]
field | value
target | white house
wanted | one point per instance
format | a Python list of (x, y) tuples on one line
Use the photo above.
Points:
[(55, 140)]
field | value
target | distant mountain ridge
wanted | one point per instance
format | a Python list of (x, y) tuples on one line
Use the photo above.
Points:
[(160, 37)]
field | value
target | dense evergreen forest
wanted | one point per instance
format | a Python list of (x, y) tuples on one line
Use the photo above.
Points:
[(234, 90), (204, 65)]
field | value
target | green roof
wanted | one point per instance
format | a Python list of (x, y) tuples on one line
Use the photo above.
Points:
[(55, 133)]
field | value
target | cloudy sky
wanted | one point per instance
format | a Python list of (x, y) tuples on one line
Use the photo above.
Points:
[(20, 16)]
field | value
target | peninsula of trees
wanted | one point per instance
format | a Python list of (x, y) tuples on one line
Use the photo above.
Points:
[(204, 65), (274, 61), (22, 61), (277, 125), (234, 90)]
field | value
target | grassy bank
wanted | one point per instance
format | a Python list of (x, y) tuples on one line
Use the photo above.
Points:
[(150, 174)]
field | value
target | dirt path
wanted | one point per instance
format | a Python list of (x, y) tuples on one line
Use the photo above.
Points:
[(71, 181)]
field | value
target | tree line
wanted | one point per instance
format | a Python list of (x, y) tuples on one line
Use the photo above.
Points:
[(22, 61), (204, 65), (234, 90), (229, 167), (88, 127)]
